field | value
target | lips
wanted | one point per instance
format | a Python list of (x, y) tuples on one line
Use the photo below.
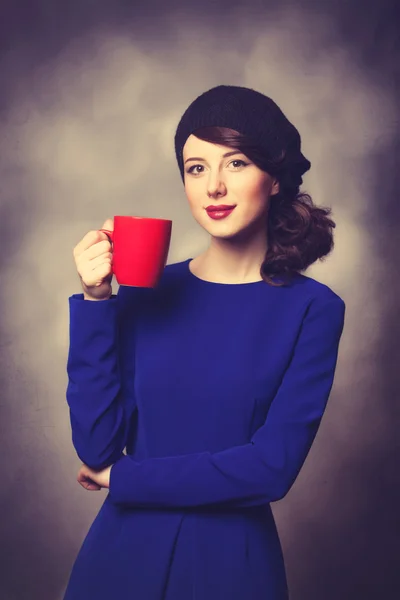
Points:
[(219, 208), (220, 214)]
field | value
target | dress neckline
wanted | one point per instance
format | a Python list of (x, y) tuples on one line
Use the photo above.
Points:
[(196, 278)]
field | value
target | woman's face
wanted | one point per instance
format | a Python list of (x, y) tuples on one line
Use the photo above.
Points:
[(212, 178)]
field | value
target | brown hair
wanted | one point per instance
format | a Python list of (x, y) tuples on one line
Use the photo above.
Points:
[(298, 232)]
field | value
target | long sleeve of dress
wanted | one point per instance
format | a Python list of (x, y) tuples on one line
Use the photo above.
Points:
[(101, 403), (263, 470)]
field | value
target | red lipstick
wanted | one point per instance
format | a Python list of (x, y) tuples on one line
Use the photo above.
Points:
[(219, 212)]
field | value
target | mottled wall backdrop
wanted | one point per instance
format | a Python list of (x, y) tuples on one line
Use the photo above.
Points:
[(91, 94)]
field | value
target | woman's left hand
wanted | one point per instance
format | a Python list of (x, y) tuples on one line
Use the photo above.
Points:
[(94, 480)]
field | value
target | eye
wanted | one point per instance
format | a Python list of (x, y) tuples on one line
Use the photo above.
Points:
[(239, 161), (192, 172)]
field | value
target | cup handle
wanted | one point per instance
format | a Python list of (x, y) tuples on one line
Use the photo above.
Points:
[(109, 234)]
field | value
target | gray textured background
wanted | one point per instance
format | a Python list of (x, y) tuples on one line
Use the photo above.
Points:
[(90, 96)]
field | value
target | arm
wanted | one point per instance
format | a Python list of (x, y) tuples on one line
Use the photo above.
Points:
[(263, 470), (100, 384)]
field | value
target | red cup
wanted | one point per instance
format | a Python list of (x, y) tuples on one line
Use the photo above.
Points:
[(140, 249)]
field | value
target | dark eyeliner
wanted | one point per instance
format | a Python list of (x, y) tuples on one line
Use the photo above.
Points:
[(244, 164)]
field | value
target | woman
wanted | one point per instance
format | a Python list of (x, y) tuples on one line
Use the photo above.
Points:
[(215, 381)]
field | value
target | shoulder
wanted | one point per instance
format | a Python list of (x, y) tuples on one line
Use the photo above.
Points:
[(308, 302), (316, 290), (175, 267), (321, 305), (170, 276)]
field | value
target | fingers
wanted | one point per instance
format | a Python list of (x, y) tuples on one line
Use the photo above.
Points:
[(94, 236), (87, 483), (85, 480), (108, 224), (93, 259), (92, 244), (94, 256), (91, 487)]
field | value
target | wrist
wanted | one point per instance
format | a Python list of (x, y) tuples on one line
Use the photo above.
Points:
[(86, 297)]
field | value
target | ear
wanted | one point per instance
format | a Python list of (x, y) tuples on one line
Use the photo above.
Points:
[(275, 188)]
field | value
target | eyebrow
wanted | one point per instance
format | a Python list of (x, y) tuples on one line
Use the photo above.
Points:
[(223, 156)]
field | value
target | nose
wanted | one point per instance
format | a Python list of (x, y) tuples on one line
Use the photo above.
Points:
[(215, 186)]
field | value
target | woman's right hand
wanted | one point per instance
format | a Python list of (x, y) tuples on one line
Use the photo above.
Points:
[(93, 259)]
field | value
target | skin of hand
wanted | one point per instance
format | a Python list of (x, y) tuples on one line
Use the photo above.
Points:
[(94, 480)]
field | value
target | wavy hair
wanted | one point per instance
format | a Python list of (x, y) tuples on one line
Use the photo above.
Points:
[(298, 232)]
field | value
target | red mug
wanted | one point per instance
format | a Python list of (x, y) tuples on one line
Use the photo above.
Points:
[(140, 247)]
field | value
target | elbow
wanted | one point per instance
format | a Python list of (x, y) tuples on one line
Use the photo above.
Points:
[(98, 450), (101, 459), (277, 482), (278, 494), (276, 475), (97, 463), (282, 487)]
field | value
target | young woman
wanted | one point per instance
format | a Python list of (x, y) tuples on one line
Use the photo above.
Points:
[(215, 381)]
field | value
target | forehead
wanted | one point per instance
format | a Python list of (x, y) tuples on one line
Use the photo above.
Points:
[(194, 144)]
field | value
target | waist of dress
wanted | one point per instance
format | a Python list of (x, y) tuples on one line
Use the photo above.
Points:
[(262, 512)]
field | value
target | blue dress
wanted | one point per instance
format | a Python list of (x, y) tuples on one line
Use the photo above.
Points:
[(216, 392)]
